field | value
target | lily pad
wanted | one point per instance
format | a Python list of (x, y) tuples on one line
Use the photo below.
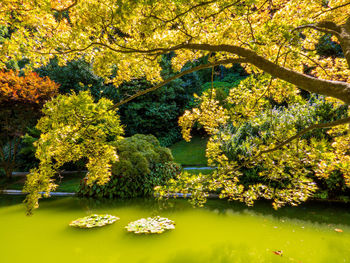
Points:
[(94, 221), (151, 225)]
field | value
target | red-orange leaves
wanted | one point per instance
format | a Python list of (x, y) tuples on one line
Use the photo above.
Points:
[(26, 89)]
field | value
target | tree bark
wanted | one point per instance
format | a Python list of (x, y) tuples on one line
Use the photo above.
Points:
[(344, 39), (336, 89)]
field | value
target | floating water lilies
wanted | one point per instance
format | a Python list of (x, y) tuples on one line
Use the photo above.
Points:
[(94, 221), (150, 225)]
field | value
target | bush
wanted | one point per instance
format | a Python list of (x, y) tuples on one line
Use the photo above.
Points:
[(263, 128), (143, 164)]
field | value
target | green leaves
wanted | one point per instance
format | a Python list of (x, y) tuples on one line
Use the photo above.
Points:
[(288, 175), (143, 165), (74, 127)]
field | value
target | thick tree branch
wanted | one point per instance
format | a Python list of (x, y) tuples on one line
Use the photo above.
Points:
[(122, 49), (344, 39), (342, 32), (302, 132), (336, 89), (185, 72), (66, 8)]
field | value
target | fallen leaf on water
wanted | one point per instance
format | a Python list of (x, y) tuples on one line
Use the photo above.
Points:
[(338, 230), (278, 252)]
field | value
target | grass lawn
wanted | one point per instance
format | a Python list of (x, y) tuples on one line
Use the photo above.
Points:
[(69, 183), (190, 153)]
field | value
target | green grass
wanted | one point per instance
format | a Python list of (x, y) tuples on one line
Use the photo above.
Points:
[(190, 153), (13, 183), (69, 183)]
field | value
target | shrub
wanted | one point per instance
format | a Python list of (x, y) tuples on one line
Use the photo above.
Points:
[(143, 164), (263, 128)]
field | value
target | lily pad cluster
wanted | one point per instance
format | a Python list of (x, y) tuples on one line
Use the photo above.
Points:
[(94, 221), (150, 225)]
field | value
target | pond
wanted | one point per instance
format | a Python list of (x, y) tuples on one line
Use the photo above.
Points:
[(220, 232)]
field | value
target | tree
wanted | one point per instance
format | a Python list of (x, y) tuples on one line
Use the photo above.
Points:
[(278, 37), (77, 76), (21, 98), (73, 127)]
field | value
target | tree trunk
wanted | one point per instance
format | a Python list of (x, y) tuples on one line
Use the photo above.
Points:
[(8, 172)]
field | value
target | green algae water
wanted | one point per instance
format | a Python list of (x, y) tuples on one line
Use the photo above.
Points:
[(220, 232)]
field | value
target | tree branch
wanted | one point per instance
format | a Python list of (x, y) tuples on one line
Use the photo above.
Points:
[(335, 89), (123, 49), (66, 8), (324, 27), (221, 10), (302, 132), (185, 72), (183, 13), (332, 9)]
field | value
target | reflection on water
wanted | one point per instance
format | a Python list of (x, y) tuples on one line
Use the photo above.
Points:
[(220, 232)]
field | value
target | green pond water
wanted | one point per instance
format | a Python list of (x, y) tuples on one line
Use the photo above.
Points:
[(220, 232)]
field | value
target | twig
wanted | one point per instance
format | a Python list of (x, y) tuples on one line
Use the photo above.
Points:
[(220, 62), (331, 9), (66, 8), (302, 132)]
